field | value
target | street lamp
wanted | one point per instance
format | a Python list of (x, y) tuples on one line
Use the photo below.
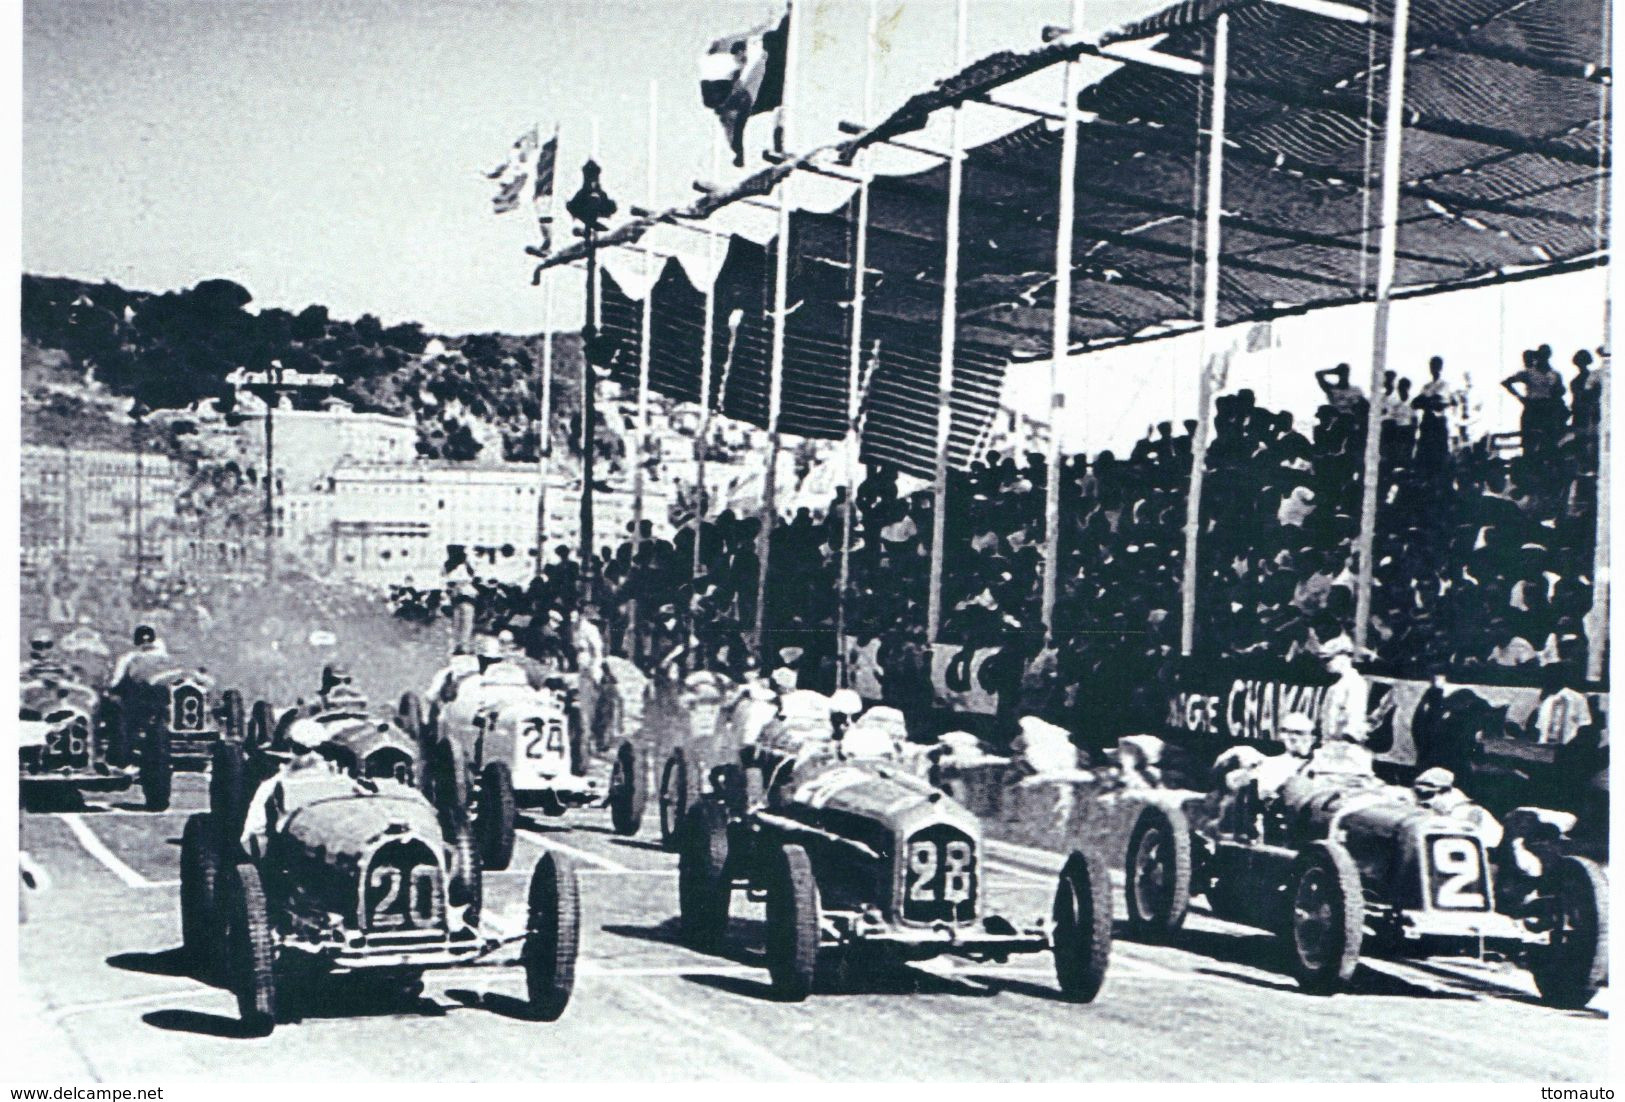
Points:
[(138, 413), (590, 206)]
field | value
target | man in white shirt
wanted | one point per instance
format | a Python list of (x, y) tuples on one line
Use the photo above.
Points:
[(1344, 712)]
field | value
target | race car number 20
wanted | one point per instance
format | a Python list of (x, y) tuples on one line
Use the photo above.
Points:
[(398, 897), (1457, 874)]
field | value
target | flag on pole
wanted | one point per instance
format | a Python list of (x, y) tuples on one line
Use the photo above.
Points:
[(547, 158), (743, 75), (514, 172)]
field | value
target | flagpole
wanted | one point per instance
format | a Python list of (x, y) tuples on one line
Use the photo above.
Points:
[(1061, 333), (854, 374), (589, 409), (945, 365), (544, 423), (708, 335), (1210, 322), (775, 378), (640, 431)]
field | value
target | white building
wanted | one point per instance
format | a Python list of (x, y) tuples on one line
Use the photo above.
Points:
[(80, 505)]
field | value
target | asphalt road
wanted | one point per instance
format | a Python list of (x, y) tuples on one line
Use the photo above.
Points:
[(110, 999)]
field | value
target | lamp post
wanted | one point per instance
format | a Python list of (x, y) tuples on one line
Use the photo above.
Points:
[(589, 206), (138, 413)]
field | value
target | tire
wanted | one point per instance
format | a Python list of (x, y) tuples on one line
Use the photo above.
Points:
[(410, 715), (228, 793), (627, 791), (233, 716), (704, 887), (792, 924), (200, 890), (1082, 926), (120, 743), (578, 742), (157, 769), (448, 784), (1574, 966), (250, 951), (675, 797), (494, 825), (466, 882), (1158, 874), (1325, 920), (261, 729), (552, 936)]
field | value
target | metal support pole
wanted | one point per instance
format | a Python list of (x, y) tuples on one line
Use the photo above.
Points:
[(1061, 333), (775, 378), (139, 542), (702, 442), (270, 481), (1393, 131), (640, 429), (544, 421), (1210, 323), (854, 376), (945, 364), (67, 505)]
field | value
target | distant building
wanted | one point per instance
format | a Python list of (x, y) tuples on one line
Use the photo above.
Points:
[(80, 506)]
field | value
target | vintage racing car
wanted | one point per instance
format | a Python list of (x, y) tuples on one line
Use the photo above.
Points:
[(360, 878), (62, 746), (174, 711), (858, 857), (1340, 861), (497, 745), (705, 719)]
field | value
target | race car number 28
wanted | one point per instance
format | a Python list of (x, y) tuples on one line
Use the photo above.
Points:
[(941, 873)]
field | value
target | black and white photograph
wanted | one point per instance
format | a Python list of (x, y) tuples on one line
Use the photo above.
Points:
[(822, 541)]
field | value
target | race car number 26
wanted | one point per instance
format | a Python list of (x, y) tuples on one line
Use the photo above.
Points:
[(1457, 874)]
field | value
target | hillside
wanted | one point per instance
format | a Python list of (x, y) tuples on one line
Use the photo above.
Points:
[(89, 348)]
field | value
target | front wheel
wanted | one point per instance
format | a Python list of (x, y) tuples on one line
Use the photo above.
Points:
[(1326, 918), (1571, 969), (626, 791), (552, 936), (704, 887), (1158, 887), (157, 769), (250, 951), (228, 792), (1083, 926), (792, 925), (494, 823), (200, 890)]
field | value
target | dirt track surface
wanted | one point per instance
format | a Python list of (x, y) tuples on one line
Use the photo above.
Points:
[(114, 1002)]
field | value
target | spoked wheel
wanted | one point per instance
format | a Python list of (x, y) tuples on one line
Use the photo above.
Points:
[(1574, 966), (250, 956), (1327, 918), (1158, 888), (704, 886), (1083, 926), (627, 792), (552, 936), (675, 797), (792, 925), (467, 882), (228, 792)]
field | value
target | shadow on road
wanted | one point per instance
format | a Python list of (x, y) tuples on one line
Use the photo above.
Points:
[(639, 843), (492, 1002), (197, 1022), (169, 962)]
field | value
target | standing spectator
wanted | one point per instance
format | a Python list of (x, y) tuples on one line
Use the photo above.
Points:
[(1343, 396), (1542, 398), (1343, 714), (458, 578), (1434, 401)]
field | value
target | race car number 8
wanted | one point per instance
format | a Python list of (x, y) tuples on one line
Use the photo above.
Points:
[(1456, 860), (939, 872)]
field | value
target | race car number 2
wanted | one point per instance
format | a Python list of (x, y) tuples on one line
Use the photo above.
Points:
[(1458, 874)]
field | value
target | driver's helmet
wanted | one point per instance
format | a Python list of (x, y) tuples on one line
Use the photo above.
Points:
[(40, 644), (876, 735), (343, 699), (1298, 734), (1433, 783), (304, 735), (145, 634), (845, 702), (508, 674), (488, 650)]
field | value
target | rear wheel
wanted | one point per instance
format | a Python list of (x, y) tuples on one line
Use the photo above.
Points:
[(1571, 969), (579, 751), (120, 739), (1158, 887), (627, 793), (704, 888), (1083, 926), (200, 889), (409, 716), (233, 715), (250, 951), (552, 936), (467, 883), (157, 769), (228, 792), (792, 924), (496, 813), (1326, 919), (675, 797)]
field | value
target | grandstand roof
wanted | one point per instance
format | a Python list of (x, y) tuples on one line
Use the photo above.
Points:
[(1505, 163)]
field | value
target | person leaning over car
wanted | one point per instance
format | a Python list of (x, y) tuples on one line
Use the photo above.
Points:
[(149, 649), (304, 777)]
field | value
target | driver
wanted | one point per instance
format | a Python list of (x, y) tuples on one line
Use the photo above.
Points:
[(1435, 789), (443, 686), (144, 660), (1298, 739), (306, 776), (42, 662)]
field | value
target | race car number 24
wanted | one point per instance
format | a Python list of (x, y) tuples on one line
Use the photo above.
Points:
[(545, 738)]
